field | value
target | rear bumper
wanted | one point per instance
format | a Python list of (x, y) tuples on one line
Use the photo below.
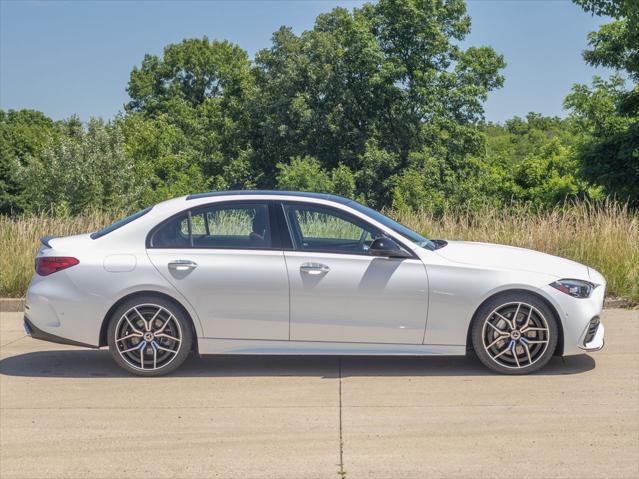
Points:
[(56, 308), (31, 330)]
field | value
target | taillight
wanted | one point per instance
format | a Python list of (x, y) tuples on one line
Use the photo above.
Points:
[(46, 265)]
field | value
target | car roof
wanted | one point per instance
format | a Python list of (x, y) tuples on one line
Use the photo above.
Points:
[(301, 194)]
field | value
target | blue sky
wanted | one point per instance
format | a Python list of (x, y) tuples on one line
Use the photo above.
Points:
[(66, 57)]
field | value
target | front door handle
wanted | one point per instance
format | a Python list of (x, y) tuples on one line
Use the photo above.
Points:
[(314, 268), (182, 265)]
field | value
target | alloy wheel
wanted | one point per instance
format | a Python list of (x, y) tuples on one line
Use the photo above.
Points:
[(148, 337), (515, 335)]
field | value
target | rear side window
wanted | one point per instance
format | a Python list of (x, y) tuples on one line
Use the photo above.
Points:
[(234, 226), (176, 233), (120, 223)]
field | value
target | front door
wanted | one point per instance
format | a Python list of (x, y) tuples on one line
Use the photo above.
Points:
[(221, 258), (341, 293)]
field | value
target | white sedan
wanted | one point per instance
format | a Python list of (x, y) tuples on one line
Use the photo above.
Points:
[(274, 272)]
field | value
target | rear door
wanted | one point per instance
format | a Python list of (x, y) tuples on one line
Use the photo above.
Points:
[(225, 259), (339, 292)]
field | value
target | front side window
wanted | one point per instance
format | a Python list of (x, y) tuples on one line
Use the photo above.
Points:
[(395, 226), (318, 228), (236, 226)]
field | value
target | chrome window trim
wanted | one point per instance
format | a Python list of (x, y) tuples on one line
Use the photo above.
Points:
[(279, 197)]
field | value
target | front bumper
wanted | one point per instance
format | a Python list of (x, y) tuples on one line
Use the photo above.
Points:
[(576, 316)]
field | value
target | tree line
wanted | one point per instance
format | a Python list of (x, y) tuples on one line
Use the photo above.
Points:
[(379, 103)]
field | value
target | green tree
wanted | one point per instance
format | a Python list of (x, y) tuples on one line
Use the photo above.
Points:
[(198, 93), (550, 176), (303, 174), (534, 160), (24, 134), (609, 111), (87, 168), (307, 174), (191, 72), (163, 158), (390, 74), (616, 44), (343, 181), (430, 183), (319, 92), (436, 87), (376, 168), (519, 137)]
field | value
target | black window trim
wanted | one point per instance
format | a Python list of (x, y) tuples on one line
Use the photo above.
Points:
[(347, 214), (276, 233), (116, 225), (280, 226)]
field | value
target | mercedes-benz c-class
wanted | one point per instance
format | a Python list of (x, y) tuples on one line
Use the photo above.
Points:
[(275, 272)]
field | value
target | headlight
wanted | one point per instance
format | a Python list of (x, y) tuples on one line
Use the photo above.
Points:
[(574, 287)]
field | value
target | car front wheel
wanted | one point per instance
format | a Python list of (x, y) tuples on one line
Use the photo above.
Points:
[(149, 336), (514, 333)]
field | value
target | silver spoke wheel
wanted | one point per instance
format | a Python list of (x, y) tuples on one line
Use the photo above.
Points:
[(148, 337), (515, 335)]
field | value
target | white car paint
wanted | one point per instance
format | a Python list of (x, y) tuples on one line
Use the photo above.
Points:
[(258, 302)]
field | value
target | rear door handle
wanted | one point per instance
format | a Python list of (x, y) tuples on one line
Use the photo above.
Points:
[(314, 268), (182, 265)]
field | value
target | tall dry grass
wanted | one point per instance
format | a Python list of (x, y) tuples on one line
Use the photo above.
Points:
[(604, 236), (20, 240)]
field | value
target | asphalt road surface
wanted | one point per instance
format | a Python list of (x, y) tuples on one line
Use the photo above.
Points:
[(71, 412)]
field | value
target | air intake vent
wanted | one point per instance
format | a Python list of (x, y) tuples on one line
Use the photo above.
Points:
[(592, 330)]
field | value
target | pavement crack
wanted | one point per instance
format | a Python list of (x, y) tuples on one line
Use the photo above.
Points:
[(11, 342), (341, 473)]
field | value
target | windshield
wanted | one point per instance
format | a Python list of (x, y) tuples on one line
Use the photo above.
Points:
[(120, 223), (394, 225)]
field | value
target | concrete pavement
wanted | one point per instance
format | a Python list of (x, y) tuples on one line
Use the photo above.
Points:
[(70, 412)]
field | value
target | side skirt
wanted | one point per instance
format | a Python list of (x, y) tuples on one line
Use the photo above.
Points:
[(253, 346)]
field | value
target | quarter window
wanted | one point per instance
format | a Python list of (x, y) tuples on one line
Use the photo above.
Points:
[(120, 223), (236, 226), (318, 228)]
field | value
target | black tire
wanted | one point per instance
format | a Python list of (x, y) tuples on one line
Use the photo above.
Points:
[(518, 353), (172, 351)]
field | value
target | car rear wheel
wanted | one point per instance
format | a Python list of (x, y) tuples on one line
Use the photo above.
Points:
[(514, 333), (149, 336)]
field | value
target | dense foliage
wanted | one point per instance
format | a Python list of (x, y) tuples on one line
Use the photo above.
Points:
[(608, 111), (381, 103)]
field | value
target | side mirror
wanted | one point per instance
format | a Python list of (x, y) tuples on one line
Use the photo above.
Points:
[(387, 247)]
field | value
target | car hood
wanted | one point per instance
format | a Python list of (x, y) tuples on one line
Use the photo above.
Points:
[(511, 258)]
